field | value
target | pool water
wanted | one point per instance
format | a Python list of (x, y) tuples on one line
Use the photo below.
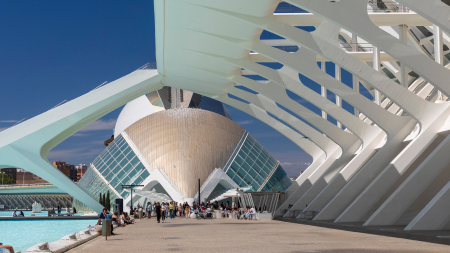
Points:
[(26, 213), (24, 234)]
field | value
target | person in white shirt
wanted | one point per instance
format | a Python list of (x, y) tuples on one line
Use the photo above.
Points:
[(163, 212), (252, 212)]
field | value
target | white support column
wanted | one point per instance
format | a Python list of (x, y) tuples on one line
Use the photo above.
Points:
[(376, 66), (337, 75), (403, 36), (355, 78), (356, 88), (438, 49), (354, 43), (323, 89)]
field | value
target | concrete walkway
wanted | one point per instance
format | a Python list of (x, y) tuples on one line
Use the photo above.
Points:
[(226, 235)]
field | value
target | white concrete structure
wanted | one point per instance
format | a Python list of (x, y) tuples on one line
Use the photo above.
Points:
[(389, 165)]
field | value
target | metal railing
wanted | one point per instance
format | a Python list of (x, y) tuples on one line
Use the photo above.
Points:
[(17, 123), (61, 103), (101, 85), (288, 8), (372, 6), (361, 47), (149, 65), (386, 6), (288, 48), (24, 185)]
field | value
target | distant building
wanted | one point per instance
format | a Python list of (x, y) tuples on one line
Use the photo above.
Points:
[(81, 170), (69, 170)]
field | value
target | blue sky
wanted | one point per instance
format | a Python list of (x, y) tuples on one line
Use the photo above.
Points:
[(52, 51)]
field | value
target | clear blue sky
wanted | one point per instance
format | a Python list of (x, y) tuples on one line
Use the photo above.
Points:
[(56, 50)]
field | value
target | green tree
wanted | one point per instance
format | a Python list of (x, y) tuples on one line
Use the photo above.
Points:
[(5, 179), (104, 199), (108, 202), (100, 200)]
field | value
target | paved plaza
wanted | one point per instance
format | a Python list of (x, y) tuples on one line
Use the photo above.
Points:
[(227, 235)]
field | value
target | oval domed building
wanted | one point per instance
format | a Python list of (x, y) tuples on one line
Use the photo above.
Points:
[(169, 141)]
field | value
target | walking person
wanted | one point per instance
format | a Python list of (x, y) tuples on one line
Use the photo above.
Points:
[(171, 209), (59, 208), (186, 211), (149, 210), (163, 212), (167, 209), (158, 211), (180, 210)]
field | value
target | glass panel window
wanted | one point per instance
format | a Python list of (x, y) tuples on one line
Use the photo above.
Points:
[(245, 149), (121, 175), (241, 173), (120, 157), (245, 166), (239, 160), (127, 150), (145, 174), (130, 156), (114, 182), (231, 173), (259, 164), (253, 156), (135, 161), (123, 162)]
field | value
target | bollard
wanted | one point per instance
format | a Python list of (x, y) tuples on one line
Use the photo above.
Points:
[(106, 228), (141, 213)]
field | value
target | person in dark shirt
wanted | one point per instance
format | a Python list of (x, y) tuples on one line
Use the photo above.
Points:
[(59, 208), (105, 216), (158, 212)]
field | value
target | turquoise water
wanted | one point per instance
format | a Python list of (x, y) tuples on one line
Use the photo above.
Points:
[(24, 234), (27, 213)]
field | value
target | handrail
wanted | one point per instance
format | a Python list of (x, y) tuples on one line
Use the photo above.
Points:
[(24, 185), (148, 65), (362, 47), (18, 122), (61, 103), (101, 85), (372, 6), (386, 6)]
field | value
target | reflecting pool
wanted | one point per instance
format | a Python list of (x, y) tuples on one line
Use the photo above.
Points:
[(24, 234)]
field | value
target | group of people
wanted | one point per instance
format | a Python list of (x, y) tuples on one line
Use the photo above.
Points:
[(164, 210), (17, 213), (247, 213), (20, 214), (172, 209)]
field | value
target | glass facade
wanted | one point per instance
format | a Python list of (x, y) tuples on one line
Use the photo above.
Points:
[(279, 181), (93, 185), (252, 166), (119, 165)]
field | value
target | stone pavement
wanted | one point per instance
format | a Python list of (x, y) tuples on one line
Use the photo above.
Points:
[(227, 235)]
